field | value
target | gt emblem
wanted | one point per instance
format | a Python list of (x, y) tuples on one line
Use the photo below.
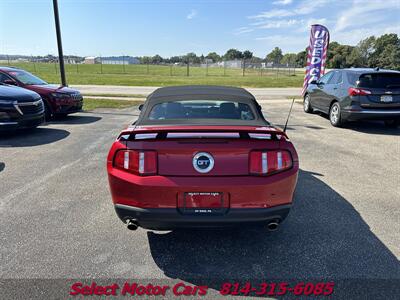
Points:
[(203, 162)]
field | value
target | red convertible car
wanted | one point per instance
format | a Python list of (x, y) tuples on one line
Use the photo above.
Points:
[(202, 156)]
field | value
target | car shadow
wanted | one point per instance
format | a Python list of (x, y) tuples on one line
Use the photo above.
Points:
[(367, 126), (2, 166), (75, 119), (324, 237), (32, 137), (372, 127), (115, 112), (295, 126)]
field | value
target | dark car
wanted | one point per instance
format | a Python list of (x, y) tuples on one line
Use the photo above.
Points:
[(356, 94), (19, 108), (202, 156), (58, 100)]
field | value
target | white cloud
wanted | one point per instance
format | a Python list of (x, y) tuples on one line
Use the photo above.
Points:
[(278, 24), (352, 37), (308, 7), (282, 2), (274, 13), (365, 12), (349, 22), (192, 14), (304, 8), (243, 30)]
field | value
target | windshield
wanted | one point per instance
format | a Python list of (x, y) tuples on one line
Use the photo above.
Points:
[(27, 78), (201, 109), (380, 80)]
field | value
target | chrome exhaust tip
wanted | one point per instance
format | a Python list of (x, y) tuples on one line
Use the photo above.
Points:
[(273, 225), (132, 224)]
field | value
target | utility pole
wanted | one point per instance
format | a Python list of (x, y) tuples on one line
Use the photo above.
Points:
[(59, 44)]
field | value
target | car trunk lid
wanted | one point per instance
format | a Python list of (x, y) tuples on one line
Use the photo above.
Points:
[(227, 146), (382, 90)]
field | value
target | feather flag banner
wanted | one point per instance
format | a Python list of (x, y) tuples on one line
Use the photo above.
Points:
[(316, 54)]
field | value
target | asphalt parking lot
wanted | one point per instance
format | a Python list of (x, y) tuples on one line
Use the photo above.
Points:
[(57, 220)]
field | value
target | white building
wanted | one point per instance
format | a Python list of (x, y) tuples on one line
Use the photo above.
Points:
[(90, 60)]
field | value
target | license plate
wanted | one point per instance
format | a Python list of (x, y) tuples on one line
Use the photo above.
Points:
[(386, 98), (200, 200)]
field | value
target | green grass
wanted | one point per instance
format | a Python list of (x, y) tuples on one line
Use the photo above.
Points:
[(90, 104), (295, 97), (139, 75)]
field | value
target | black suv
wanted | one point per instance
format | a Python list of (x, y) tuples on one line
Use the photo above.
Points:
[(355, 94), (19, 108)]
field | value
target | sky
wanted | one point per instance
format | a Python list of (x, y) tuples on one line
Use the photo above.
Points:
[(176, 27)]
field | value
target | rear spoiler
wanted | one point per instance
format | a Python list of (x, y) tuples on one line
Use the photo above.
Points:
[(162, 132)]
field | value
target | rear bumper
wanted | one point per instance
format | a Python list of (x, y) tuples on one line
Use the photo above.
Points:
[(168, 191), (170, 218), (372, 114), (156, 201)]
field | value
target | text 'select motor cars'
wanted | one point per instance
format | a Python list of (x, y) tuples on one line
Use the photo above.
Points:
[(19, 108), (58, 100), (202, 156), (356, 94)]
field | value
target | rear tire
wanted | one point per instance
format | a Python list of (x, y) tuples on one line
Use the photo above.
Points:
[(335, 115), (392, 123), (307, 104)]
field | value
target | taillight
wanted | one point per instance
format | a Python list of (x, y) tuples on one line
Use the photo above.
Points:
[(358, 92), (269, 162), (137, 161)]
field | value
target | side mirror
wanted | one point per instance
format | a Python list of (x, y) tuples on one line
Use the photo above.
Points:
[(10, 82), (140, 107), (314, 82)]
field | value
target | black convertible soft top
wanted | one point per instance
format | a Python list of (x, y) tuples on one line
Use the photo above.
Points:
[(201, 92), (191, 92)]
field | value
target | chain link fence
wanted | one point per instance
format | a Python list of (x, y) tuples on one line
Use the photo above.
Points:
[(221, 68)]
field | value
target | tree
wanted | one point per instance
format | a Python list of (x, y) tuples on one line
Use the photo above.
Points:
[(338, 56), (145, 59), (213, 56), (256, 59), (233, 54), (289, 59), (247, 54), (192, 58), (389, 58), (175, 59), (355, 58), (156, 59), (275, 56), (365, 48), (301, 58), (386, 52)]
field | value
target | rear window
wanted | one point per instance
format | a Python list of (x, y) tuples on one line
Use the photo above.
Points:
[(352, 77), (380, 80), (201, 109)]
